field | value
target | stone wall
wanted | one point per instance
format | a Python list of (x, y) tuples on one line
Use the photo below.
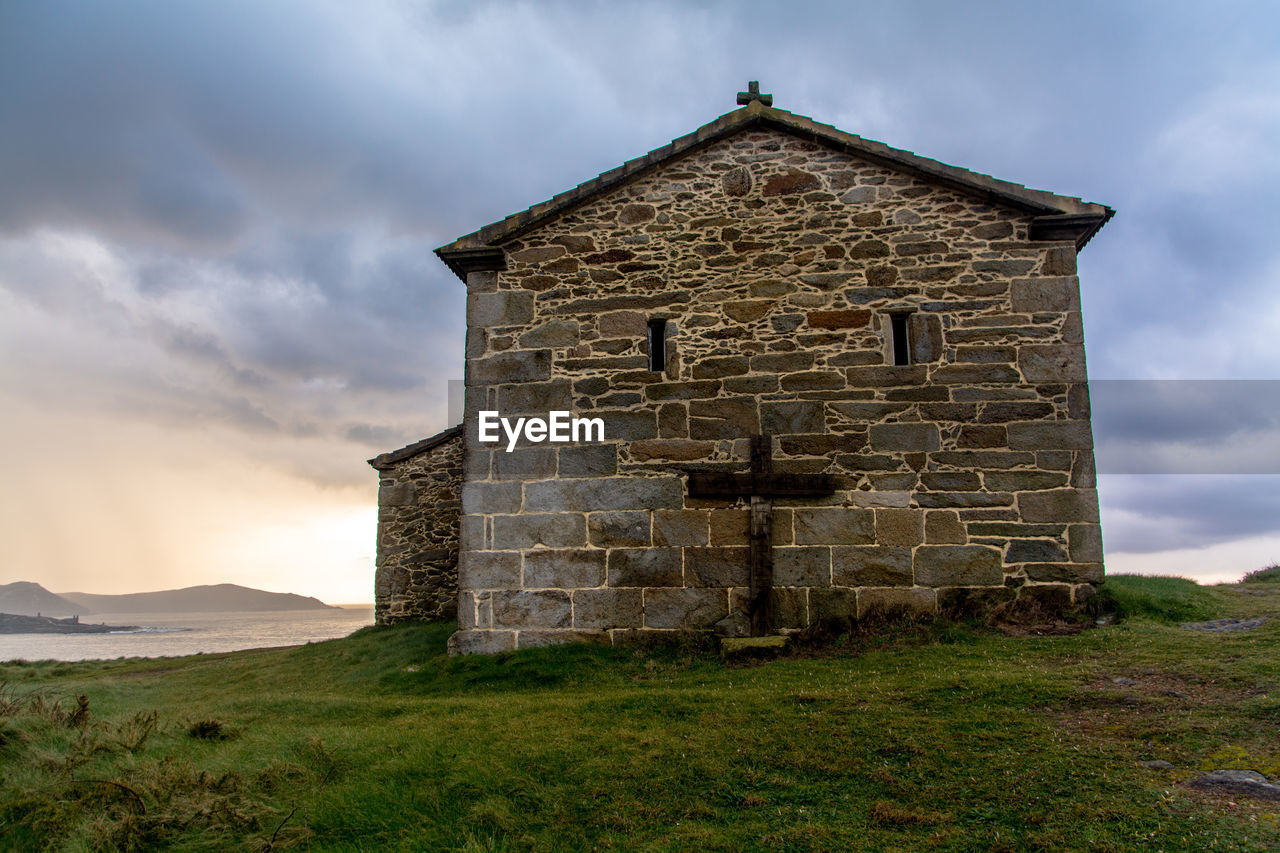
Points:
[(418, 510), (777, 263)]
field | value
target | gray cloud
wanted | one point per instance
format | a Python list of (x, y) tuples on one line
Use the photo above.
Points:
[(1187, 426), (226, 211), (1149, 513)]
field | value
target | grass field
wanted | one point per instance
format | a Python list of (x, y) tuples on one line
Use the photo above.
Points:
[(936, 736)]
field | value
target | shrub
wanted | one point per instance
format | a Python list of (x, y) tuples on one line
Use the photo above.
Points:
[(208, 730)]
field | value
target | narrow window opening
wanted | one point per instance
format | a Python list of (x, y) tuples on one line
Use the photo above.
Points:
[(901, 343), (658, 345)]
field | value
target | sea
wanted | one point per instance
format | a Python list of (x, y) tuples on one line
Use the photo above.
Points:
[(175, 634)]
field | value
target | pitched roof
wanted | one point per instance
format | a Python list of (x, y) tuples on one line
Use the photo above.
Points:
[(386, 460), (1057, 217)]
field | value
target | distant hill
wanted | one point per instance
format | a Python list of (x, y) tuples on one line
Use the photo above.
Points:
[(24, 598), (17, 624), (194, 599)]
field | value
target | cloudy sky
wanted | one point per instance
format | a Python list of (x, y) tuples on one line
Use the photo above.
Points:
[(218, 297)]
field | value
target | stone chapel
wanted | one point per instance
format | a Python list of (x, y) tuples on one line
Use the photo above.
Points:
[(835, 378)]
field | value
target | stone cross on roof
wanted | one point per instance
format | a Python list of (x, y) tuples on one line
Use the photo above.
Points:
[(753, 94)]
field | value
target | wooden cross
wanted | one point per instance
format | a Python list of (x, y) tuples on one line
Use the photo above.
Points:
[(761, 485), (753, 94)]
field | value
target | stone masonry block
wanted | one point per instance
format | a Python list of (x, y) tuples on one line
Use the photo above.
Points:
[(504, 308), (1065, 572), (1078, 401), (723, 418), (1052, 363), (835, 603), (607, 608), (489, 498), (1085, 543), (544, 608), (958, 565), (622, 324), (1023, 481), (510, 367), (1084, 471), (646, 567), (605, 493), (481, 642), (525, 463), (684, 608), (680, 527), (906, 437), (782, 362), (896, 601), (628, 425), (626, 529), (870, 565), (943, 527), (730, 526), (803, 566), (563, 569), (886, 376), (556, 333), (397, 494), (482, 281), (833, 526), (1060, 260), (1050, 435), (467, 611), (790, 417), (538, 639), (471, 532), (1046, 294), (488, 569), (1059, 505), (925, 336), (534, 398), (974, 374), (717, 567), (904, 527), (588, 460), (1035, 551), (789, 607), (681, 449), (682, 390), (549, 529)]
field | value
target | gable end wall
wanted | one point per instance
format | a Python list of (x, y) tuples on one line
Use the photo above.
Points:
[(964, 478)]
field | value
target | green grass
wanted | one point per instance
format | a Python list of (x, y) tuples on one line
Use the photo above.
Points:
[(1268, 574), (1166, 599), (936, 736)]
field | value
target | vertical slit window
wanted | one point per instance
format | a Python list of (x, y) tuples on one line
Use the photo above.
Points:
[(658, 345), (901, 343)]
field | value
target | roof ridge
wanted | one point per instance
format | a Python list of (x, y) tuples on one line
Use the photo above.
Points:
[(1040, 202)]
